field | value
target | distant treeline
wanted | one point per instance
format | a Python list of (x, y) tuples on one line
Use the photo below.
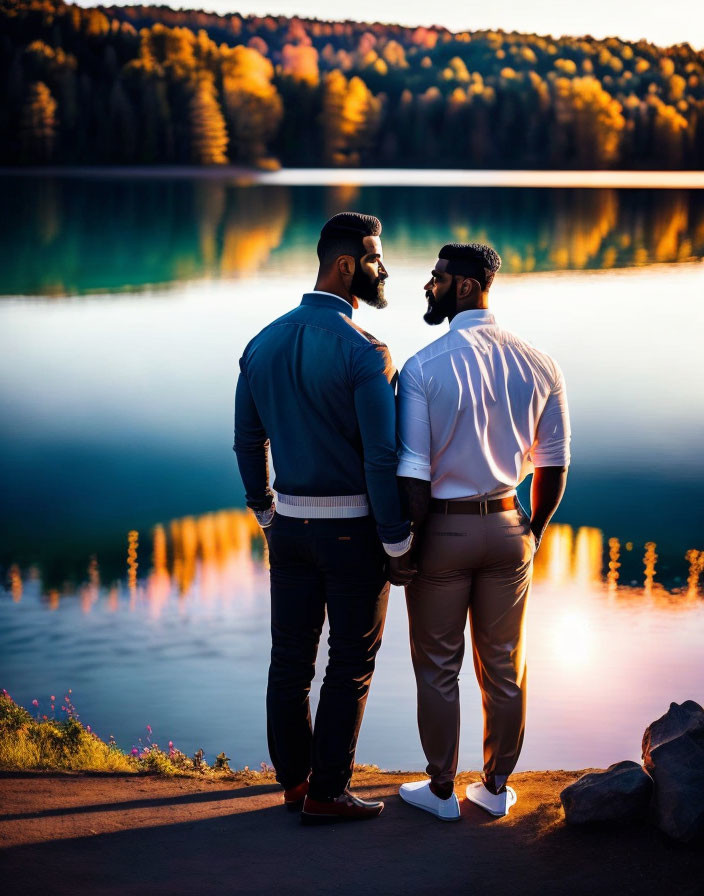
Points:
[(138, 84)]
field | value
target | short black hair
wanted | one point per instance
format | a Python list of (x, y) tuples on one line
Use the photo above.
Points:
[(472, 259), (343, 235)]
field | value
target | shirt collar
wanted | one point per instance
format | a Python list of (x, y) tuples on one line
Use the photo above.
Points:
[(320, 299), (475, 317)]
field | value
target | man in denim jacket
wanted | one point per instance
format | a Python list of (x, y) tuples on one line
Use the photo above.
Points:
[(320, 391)]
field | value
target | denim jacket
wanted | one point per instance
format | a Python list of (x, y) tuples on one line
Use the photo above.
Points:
[(320, 391)]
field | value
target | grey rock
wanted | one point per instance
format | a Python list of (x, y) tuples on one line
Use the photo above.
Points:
[(673, 754), (619, 794)]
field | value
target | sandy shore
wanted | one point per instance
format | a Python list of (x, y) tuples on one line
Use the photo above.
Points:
[(131, 834)]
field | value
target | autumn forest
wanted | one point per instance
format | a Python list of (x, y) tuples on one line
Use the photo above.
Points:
[(150, 85)]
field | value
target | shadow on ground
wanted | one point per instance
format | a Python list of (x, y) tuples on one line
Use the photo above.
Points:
[(150, 836)]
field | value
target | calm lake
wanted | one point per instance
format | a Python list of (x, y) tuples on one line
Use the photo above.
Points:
[(125, 303)]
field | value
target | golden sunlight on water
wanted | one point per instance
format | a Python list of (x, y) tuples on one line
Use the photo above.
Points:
[(608, 645), (614, 565), (650, 559), (219, 557), (696, 567), (15, 583), (132, 565), (573, 638)]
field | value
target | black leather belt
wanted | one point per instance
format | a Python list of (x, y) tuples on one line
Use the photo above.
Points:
[(479, 507)]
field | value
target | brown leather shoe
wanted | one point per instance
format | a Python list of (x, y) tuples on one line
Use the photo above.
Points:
[(293, 798), (345, 808)]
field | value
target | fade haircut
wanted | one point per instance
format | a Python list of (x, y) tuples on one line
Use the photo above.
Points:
[(472, 260), (343, 235)]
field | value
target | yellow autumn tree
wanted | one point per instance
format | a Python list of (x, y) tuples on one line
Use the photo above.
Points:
[(589, 120), (207, 126), (252, 104), (394, 54), (351, 116), (456, 70), (38, 124), (300, 62), (171, 50), (669, 131)]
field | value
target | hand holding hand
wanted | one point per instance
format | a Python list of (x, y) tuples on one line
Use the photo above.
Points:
[(402, 569)]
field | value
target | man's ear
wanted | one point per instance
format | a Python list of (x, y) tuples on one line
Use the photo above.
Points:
[(346, 266), (469, 288)]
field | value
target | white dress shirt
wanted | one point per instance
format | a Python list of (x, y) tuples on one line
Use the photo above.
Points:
[(479, 408)]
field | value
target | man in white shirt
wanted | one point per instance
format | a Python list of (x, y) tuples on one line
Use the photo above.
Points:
[(479, 409)]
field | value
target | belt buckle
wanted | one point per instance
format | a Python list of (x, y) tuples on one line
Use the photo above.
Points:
[(483, 508)]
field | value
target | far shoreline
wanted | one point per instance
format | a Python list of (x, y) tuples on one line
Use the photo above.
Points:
[(379, 177)]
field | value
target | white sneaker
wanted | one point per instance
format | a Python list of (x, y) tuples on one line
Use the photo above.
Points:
[(494, 803), (419, 794)]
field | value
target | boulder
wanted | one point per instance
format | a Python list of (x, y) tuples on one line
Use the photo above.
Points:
[(621, 793), (673, 754)]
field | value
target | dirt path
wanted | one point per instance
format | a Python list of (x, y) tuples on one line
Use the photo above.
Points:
[(123, 834)]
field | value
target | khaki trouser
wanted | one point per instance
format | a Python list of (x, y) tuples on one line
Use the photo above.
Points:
[(481, 566)]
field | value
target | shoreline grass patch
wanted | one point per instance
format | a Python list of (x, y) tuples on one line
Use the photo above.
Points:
[(48, 744)]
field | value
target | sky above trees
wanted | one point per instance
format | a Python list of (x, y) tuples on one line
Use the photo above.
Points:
[(677, 21)]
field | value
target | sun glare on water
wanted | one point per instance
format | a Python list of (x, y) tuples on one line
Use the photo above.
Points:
[(573, 639)]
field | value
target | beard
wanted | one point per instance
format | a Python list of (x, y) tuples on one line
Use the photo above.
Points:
[(370, 291), (441, 308)]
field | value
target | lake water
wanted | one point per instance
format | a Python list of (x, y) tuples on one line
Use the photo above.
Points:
[(126, 302)]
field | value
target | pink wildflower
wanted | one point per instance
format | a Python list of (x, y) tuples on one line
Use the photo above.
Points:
[(52, 699), (135, 751), (149, 729), (35, 703), (88, 729), (63, 707)]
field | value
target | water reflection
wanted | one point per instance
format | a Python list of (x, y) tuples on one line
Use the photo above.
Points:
[(186, 648), (73, 236), (215, 557), (696, 567)]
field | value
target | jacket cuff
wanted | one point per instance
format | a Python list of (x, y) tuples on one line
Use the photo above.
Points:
[(259, 504), (400, 548), (265, 517)]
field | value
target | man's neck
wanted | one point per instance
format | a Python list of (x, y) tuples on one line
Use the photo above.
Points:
[(336, 290), (482, 304)]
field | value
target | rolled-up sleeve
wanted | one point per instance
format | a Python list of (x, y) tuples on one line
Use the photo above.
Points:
[(551, 447), (413, 424)]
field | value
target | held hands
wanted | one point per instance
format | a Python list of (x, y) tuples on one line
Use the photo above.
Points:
[(402, 569)]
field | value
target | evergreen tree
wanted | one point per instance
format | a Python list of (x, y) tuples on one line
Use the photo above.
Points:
[(38, 124), (208, 131)]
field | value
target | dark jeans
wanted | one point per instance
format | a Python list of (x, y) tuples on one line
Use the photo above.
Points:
[(341, 565)]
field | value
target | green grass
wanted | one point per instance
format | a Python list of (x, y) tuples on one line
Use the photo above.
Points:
[(28, 744)]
